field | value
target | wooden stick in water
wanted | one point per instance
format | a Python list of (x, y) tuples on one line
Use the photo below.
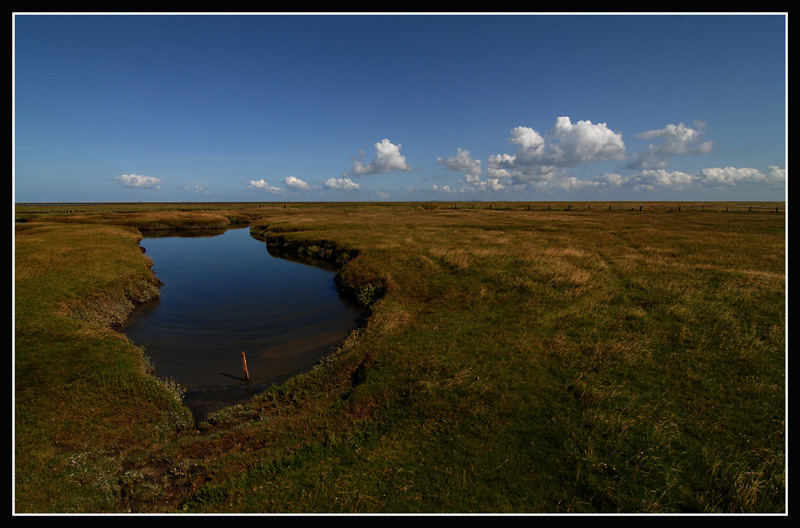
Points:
[(244, 365)]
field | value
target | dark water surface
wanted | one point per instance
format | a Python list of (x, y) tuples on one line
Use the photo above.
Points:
[(223, 295)]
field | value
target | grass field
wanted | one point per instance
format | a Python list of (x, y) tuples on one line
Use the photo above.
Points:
[(518, 358)]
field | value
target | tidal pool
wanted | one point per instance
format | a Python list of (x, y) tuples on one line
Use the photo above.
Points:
[(225, 294)]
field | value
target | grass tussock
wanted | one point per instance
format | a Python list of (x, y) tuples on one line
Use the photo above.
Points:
[(560, 358)]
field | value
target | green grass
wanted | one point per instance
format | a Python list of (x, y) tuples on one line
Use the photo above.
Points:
[(518, 358), (84, 401)]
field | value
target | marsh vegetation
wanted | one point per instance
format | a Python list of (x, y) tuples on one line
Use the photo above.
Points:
[(542, 357)]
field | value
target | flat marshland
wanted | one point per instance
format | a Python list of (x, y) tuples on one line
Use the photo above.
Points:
[(542, 358)]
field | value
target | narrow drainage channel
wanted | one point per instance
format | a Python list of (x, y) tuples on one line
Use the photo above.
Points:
[(224, 294)]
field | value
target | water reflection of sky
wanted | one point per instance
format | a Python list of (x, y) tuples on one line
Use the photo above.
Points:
[(226, 294)]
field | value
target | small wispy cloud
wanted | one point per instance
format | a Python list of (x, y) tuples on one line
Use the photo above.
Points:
[(137, 180), (205, 158), (196, 189)]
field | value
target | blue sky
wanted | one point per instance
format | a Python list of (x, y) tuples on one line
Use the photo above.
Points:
[(278, 107)]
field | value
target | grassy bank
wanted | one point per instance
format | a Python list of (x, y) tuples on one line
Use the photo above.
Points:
[(85, 403), (518, 358)]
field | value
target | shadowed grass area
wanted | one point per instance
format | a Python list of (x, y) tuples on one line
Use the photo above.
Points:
[(518, 358)]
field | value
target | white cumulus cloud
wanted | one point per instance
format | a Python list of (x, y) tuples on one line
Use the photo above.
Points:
[(531, 143), (491, 184), (296, 183), (714, 177), (584, 142), (610, 180), (341, 184), (464, 162), (776, 175), (678, 139), (263, 185), (387, 158), (541, 158), (137, 180), (652, 179), (672, 140), (732, 176)]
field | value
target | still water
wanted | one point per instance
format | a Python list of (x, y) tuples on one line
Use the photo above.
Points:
[(225, 294)]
